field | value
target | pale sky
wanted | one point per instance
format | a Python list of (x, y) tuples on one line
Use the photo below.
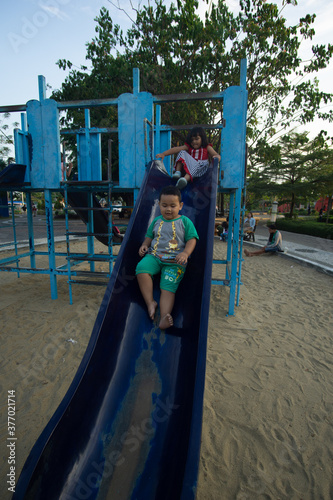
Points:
[(36, 33)]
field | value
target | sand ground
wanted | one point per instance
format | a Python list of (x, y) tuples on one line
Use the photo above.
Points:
[(267, 428)]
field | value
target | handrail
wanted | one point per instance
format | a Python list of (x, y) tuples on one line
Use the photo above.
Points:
[(93, 103)]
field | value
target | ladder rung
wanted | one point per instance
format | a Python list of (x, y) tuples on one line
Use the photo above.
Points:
[(76, 233), (86, 208), (88, 282), (218, 281), (99, 258), (90, 273)]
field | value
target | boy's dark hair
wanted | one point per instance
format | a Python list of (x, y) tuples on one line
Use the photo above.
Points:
[(197, 131), (173, 190), (272, 226)]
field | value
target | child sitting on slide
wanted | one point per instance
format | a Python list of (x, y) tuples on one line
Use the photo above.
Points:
[(169, 241)]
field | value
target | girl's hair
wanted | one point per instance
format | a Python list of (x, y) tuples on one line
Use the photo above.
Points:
[(197, 131)]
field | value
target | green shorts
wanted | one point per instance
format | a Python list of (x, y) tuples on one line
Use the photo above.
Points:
[(171, 274)]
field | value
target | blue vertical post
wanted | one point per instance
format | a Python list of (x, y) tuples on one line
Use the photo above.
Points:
[(50, 243), (230, 231), (133, 111), (68, 248), (87, 142), (157, 131), (233, 150), (25, 145), (31, 230), (136, 81), (22, 147), (162, 139), (136, 91), (90, 229), (41, 87), (14, 231), (235, 251), (243, 71), (47, 116), (89, 158)]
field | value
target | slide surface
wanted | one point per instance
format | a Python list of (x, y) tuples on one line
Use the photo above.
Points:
[(13, 175), (129, 426), (79, 202)]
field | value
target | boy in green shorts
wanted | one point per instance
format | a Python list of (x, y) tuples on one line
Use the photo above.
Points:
[(169, 241)]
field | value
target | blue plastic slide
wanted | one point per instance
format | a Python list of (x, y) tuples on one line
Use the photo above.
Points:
[(13, 175), (129, 426), (79, 202)]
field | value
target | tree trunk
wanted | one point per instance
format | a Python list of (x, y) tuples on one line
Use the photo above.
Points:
[(292, 205), (329, 207)]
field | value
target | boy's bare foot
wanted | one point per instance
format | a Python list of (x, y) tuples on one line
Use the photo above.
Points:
[(152, 309), (166, 322), (247, 253)]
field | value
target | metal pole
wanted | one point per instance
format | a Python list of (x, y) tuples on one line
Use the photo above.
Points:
[(110, 160), (50, 243)]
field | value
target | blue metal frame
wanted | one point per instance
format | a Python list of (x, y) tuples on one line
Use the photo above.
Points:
[(139, 141)]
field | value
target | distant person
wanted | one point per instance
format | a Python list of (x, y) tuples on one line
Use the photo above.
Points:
[(321, 214), (223, 229), (273, 245), (117, 236), (193, 157), (66, 169), (249, 223), (170, 240)]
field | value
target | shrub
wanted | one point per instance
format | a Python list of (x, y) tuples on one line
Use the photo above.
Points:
[(60, 214), (312, 228), (289, 216), (58, 204)]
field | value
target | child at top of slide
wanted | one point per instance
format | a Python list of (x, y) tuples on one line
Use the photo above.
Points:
[(193, 157)]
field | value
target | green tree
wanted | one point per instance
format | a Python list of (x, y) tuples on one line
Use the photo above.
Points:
[(6, 139), (294, 169), (178, 51)]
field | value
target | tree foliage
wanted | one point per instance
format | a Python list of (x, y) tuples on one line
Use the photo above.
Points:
[(196, 46), (294, 169), (6, 140), (179, 51)]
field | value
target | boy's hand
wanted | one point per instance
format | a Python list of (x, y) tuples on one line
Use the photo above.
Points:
[(181, 258), (143, 250)]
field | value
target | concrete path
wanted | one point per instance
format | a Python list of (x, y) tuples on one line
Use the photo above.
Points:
[(308, 250)]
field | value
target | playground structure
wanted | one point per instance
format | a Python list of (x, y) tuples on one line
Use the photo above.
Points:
[(171, 365), (37, 146)]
